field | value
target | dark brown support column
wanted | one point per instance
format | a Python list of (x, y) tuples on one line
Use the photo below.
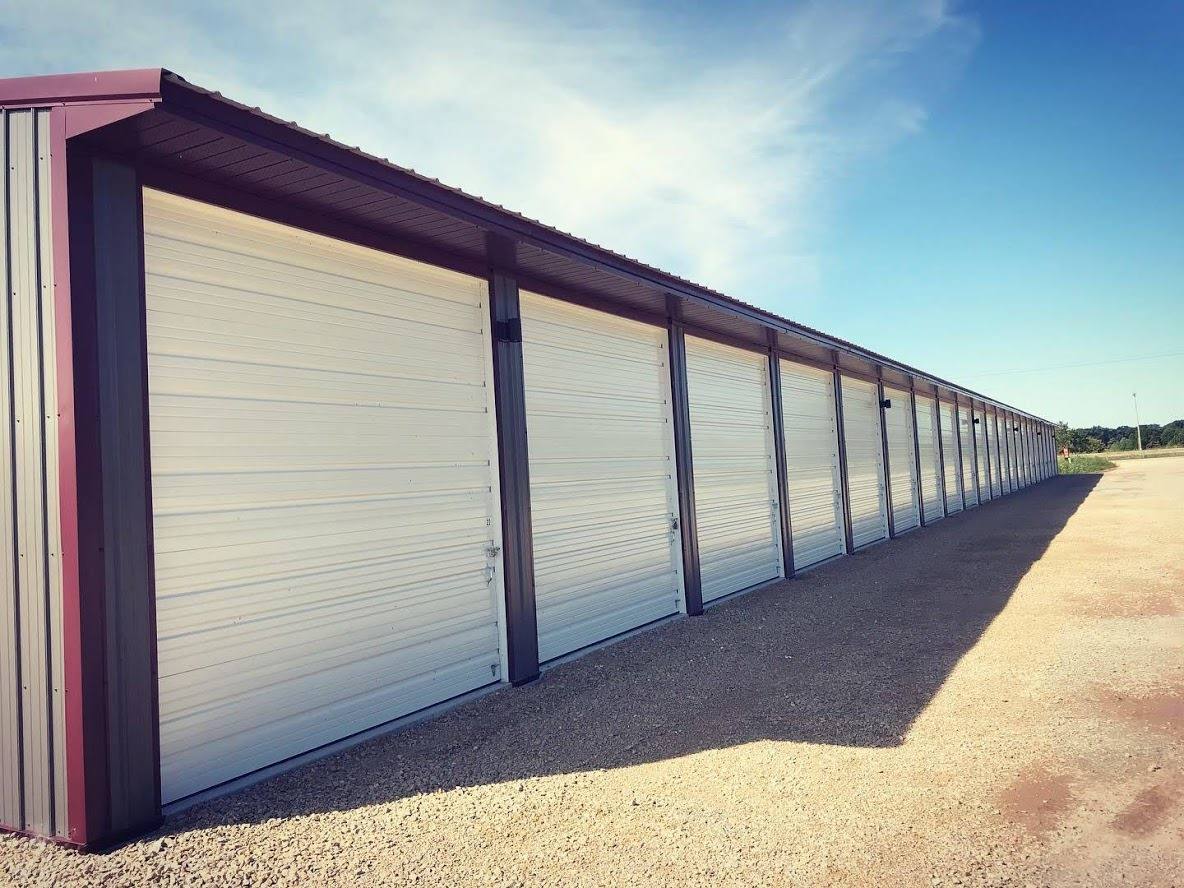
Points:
[(685, 469), (779, 450), (917, 454), (112, 718), (848, 536), (522, 636), (881, 401)]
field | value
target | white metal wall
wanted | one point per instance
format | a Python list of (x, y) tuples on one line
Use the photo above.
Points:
[(865, 462), (1005, 452), (952, 458), (902, 463), (603, 492), (324, 489), (812, 463), (966, 442), (980, 437), (927, 444), (32, 696), (736, 508)]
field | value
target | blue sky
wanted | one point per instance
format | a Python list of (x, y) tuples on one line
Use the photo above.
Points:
[(992, 192)]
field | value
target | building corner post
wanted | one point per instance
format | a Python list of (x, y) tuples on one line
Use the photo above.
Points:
[(522, 637), (848, 534), (920, 482), (885, 455), (684, 465), (779, 451)]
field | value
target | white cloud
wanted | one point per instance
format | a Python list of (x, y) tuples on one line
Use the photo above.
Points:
[(706, 147)]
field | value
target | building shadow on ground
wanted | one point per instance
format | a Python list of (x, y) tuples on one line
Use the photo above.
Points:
[(848, 654)]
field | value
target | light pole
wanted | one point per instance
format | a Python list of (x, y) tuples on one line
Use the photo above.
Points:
[(1138, 431)]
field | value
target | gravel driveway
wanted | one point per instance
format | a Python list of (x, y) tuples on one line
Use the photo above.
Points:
[(998, 699)]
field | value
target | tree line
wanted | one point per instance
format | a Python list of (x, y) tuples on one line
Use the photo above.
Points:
[(1097, 439)]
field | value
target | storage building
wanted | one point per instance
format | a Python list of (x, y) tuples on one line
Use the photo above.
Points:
[(297, 444)]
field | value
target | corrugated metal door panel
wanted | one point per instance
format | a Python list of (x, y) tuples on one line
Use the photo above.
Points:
[(927, 442), (324, 489), (1005, 450), (602, 480), (953, 469), (736, 508), (1009, 444), (32, 718), (812, 463), (1013, 439), (865, 462), (966, 442), (980, 437), (902, 468), (1021, 448), (996, 456)]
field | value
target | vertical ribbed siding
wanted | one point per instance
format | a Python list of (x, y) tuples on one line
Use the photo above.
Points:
[(32, 751)]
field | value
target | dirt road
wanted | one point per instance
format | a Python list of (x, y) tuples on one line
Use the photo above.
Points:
[(995, 700)]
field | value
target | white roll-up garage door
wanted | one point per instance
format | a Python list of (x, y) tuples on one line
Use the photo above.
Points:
[(324, 489), (736, 509), (1005, 450), (603, 493), (1021, 440), (966, 443), (1013, 442), (902, 463), (951, 457), (927, 444), (865, 462), (980, 437), (996, 455), (812, 463)]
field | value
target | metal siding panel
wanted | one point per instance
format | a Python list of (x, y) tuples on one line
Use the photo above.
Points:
[(812, 463), (603, 498), (902, 468), (52, 504), (11, 781), (322, 469), (927, 434), (865, 462), (735, 471), (35, 795), (949, 443)]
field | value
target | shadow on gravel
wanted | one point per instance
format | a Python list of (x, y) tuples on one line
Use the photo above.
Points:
[(848, 654)]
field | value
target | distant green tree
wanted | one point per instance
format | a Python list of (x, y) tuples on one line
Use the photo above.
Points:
[(1062, 433), (1098, 438)]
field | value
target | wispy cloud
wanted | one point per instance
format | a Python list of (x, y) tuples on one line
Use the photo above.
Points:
[(706, 144)]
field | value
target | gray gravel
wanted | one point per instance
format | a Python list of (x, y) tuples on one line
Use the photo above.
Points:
[(996, 700)]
